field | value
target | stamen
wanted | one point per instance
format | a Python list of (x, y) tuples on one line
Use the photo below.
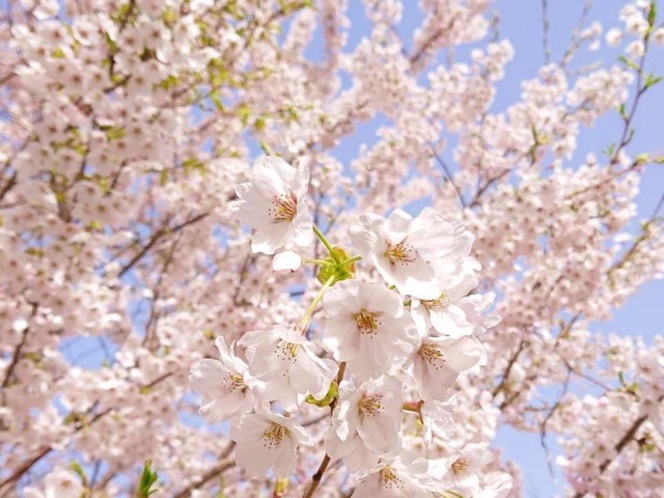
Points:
[(233, 382), (287, 350), (274, 435), (441, 302), (366, 322), (284, 207), (371, 405), (460, 466), (432, 355), (389, 479), (402, 253)]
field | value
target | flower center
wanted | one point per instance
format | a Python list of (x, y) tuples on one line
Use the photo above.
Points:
[(402, 253), (287, 350), (389, 478), (460, 466), (366, 322), (284, 207), (274, 435), (371, 405), (233, 382), (432, 355), (441, 302)]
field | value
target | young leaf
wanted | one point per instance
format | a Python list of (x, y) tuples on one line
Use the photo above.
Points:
[(148, 478)]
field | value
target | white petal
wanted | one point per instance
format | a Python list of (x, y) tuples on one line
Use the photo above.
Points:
[(285, 462), (286, 261), (256, 459)]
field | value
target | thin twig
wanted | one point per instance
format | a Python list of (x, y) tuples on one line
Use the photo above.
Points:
[(219, 468), (620, 445), (318, 475), (448, 173), (545, 31)]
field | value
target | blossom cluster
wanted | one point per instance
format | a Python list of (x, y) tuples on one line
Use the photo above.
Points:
[(392, 342), (125, 127)]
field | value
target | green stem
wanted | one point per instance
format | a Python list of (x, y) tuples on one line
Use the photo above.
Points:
[(326, 243), (303, 324), (350, 261), (321, 262)]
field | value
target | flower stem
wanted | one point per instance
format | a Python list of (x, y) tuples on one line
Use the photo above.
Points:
[(326, 243), (412, 406), (321, 262), (350, 261), (303, 324)]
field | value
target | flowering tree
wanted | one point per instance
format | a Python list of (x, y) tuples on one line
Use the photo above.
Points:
[(335, 319)]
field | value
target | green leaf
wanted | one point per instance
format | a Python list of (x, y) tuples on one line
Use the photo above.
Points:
[(216, 100), (169, 83), (76, 467), (148, 478), (630, 136), (332, 393), (114, 132), (163, 177), (259, 124), (651, 80), (610, 150), (193, 164), (265, 147), (622, 112), (628, 62), (243, 113), (652, 13), (642, 158)]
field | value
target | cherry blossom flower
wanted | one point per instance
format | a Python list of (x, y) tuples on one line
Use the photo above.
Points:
[(223, 384), (367, 327), (438, 420), (402, 248), (445, 313), (366, 423), (438, 361), (59, 483), (273, 204), (403, 477), (287, 364), (460, 471), (265, 440), (475, 307)]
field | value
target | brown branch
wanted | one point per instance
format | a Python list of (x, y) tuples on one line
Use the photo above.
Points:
[(219, 468), (318, 475), (16, 475), (161, 232), (7, 186), (25, 466), (15, 358), (485, 187), (448, 173), (507, 371), (17, 351), (546, 24), (620, 445), (545, 422)]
